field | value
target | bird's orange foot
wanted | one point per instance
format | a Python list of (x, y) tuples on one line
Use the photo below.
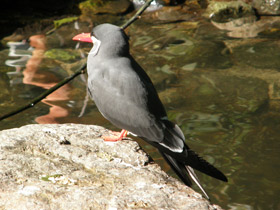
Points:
[(118, 136)]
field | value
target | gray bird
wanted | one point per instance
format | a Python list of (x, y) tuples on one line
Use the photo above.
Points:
[(126, 96)]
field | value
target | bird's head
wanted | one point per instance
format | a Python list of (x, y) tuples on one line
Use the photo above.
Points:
[(107, 39)]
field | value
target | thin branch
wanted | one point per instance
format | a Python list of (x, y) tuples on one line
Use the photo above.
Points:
[(137, 14), (46, 93)]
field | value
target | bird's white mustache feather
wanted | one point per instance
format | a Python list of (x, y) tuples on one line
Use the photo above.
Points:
[(96, 46)]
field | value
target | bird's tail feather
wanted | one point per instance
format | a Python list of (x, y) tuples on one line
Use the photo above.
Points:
[(198, 163), (196, 180), (178, 167), (190, 158), (184, 172), (187, 157)]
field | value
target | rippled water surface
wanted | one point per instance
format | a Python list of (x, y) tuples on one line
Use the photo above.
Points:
[(224, 92)]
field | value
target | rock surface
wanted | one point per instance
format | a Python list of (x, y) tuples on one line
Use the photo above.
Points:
[(69, 166)]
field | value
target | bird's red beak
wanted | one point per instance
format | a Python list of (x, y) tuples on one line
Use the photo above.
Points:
[(83, 37)]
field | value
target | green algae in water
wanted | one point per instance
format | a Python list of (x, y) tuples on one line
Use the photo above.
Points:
[(58, 23), (61, 55)]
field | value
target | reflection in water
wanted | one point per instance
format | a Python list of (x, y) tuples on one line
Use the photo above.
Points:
[(46, 80), (18, 49)]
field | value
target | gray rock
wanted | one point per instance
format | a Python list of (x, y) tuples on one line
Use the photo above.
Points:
[(69, 166)]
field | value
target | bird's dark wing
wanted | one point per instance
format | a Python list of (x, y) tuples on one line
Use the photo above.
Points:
[(154, 104)]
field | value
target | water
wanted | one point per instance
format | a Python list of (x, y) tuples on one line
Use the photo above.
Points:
[(222, 91)]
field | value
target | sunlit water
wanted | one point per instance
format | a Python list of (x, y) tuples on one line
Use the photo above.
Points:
[(217, 90)]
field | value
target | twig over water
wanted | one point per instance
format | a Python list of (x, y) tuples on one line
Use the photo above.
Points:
[(137, 14)]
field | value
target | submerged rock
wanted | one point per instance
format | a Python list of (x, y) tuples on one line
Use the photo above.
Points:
[(267, 7), (69, 166), (223, 11), (90, 8)]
